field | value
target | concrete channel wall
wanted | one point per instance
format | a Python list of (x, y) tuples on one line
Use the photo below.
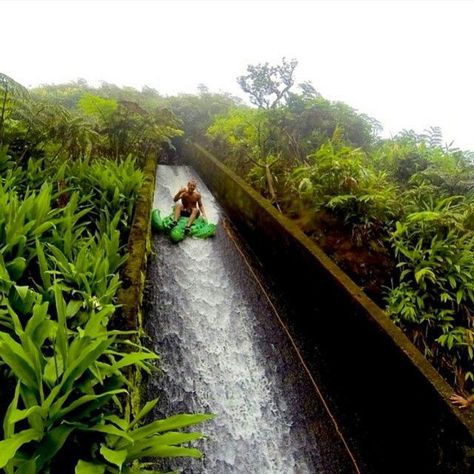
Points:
[(396, 401), (134, 272)]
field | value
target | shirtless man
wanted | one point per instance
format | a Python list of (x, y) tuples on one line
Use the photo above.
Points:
[(190, 200)]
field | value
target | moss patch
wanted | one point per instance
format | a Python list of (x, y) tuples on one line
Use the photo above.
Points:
[(130, 295), (134, 271)]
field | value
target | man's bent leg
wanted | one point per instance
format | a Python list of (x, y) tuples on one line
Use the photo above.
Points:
[(177, 212), (192, 217)]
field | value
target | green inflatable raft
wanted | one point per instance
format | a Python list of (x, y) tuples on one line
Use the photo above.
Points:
[(200, 228)]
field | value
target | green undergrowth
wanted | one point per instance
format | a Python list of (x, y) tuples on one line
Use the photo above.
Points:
[(69, 369), (396, 214), (59, 275)]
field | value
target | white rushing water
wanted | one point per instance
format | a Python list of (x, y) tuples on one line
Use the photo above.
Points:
[(222, 352)]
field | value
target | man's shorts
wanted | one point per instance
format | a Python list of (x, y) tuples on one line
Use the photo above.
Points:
[(187, 213)]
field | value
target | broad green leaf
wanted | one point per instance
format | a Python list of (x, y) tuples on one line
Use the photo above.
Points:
[(30, 398), (424, 272), (39, 317), (18, 415), (9, 446), (27, 467), (8, 424), (16, 268), (53, 369), (85, 467), (169, 452), (116, 457), (134, 358), (73, 307), (96, 321), (23, 299), (41, 229), (43, 266), (61, 413), (144, 446), (144, 411), (16, 358), (116, 420), (113, 431), (172, 423), (51, 444), (78, 366), (459, 295), (61, 336)]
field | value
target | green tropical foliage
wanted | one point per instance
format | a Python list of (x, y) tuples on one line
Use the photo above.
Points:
[(69, 164), (11, 94), (65, 213), (435, 295), (339, 178), (406, 203), (197, 112)]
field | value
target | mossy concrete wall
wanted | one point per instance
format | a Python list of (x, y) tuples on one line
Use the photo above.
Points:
[(375, 372), (134, 271)]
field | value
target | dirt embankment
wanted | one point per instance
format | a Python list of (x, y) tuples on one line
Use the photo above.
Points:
[(366, 261)]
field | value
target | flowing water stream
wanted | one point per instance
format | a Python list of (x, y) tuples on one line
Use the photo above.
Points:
[(223, 351)]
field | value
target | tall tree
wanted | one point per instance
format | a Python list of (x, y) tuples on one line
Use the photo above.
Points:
[(268, 86), (11, 92)]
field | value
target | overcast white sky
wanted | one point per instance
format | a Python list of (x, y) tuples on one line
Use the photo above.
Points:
[(409, 64)]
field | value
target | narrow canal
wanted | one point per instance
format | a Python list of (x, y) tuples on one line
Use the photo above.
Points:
[(224, 351)]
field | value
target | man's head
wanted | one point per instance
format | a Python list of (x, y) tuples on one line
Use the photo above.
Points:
[(192, 185)]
